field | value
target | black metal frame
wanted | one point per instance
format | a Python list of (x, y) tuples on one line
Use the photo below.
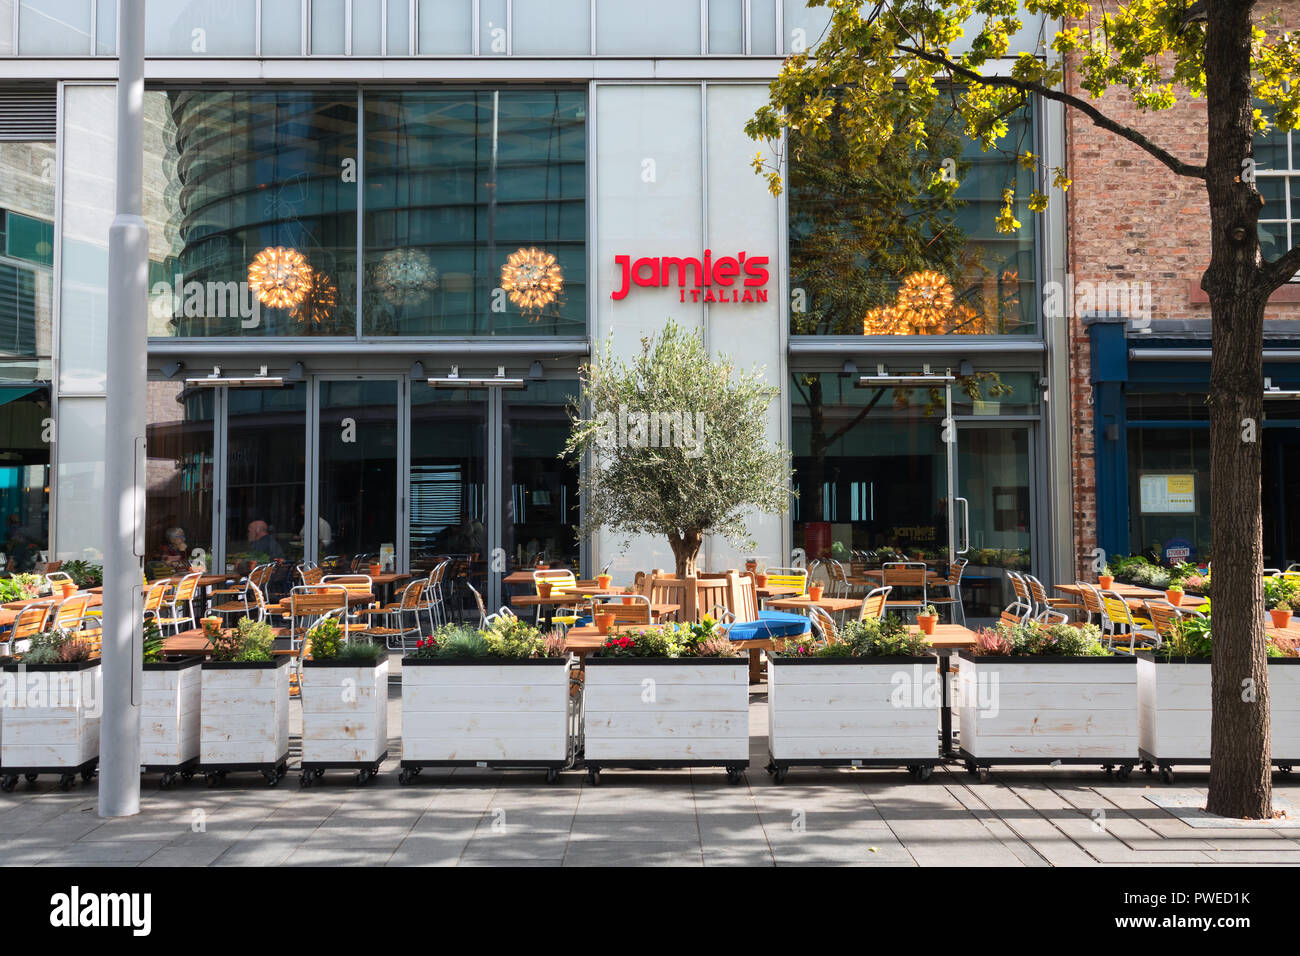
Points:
[(366, 770), (410, 769), (67, 775), (213, 772)]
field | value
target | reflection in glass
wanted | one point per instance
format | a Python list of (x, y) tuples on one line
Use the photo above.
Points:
[(24, 476), (26, 260), (993, 477), (237, 174), (871, 469), (358, 468), (540, 491), (178, 477), (892, 249), (266, 455), (456, 183)]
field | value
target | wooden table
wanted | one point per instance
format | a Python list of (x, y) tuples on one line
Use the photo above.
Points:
[(355, 599), (946, 639), (190, 643), (779, 590), (830, 605), (870, 577), (526, 577)]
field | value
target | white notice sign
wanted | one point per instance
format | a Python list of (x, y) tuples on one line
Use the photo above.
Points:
[(1168, 494)]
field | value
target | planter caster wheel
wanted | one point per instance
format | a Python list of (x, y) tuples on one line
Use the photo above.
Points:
[(734, 775), (30, 777), (365, 776), (1148, 767), (272, 777), (983, 774), (167, 781), (1284, 769), (8, 783), (319, 772), (971, 768), (305, 778), (771, 769), (281, 770), (405, 776), (922, 773), (1108, 768), (1166, 774), (67, 780), (212, 779), (187, 776), (779, 774), (552, 775), (1123, 773), (593, 777), (88, 775)]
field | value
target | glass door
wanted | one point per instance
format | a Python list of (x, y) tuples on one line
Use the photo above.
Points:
[(358, 457), (539, 490), (994, 477)]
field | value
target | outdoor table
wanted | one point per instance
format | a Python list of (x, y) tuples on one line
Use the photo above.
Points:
[(386, 581), (191, 643), (779, 590), (525, 577), (830, 605), (1122, 590), (355, 599), (946, 639)]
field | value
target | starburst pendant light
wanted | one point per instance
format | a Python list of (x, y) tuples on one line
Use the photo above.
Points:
[(532, 279), (925, 301), (281, 277), (317, 306), (405, 276)]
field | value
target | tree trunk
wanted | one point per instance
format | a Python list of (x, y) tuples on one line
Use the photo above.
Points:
[(686, 547), (1240, 773)]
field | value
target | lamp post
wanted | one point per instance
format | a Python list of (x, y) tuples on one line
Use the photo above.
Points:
[(124, 453)]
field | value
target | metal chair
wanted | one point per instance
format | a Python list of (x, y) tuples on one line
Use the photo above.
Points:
[(1124, 624), (394, 615), (173, 614), (873, 605), (1046, 609), (912, 575), (953, 583), (29, 622)]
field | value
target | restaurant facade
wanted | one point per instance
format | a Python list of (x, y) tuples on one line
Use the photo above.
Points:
[(385, 235)]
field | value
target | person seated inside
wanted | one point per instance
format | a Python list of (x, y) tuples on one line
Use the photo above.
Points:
[(261, 542), (175, 550)]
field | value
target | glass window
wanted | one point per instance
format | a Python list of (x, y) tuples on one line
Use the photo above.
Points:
[(1278, 180), (446, 26), (399, 28), (971, 396), (475, 219), (328, 27), (449, 480), (550, 26), (7, 28), (266, 467), (540, 491), (254, 211), (106, 27), (79, 478), (726, 26), (179, 481), (26, 260), (1161, 522), (804, 26), (24, 476), (358, 467), (878, 252), (282, 27), (54, 27), (993, 476), (671, 26), (494, 28), (200, 26), (367, 27), (762, 27)]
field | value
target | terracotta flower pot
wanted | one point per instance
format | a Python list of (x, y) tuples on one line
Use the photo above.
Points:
[(544, 588), (211, 626), (1106, 582), (760, 580), (1174, 597), (628, 600), (603, 581), (376, 569), (815, 593), (751, 566), (542, 565), (604, 621), (927, 622), (68, 588), (1281, 618)]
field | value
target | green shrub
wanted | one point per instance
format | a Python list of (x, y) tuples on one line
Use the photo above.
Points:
[(1033, 639), (513, 639), (362, 652), (44, 648), (326, 639), (462, 642), (249, 641), (153, 642)]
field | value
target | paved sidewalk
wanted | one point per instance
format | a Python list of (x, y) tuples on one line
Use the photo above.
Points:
[(1028, 817)]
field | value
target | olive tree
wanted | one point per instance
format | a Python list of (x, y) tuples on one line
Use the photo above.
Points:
[(675, 444), (881, 67)]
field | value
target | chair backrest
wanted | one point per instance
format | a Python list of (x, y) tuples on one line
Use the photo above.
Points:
[(438, 572), (60, 576), (482, 608), (821, 621), (1036, 590), (352, 583), (413, 593), (562, 580), (898, 575), (1164, 617), (956, 570), (316, 599), (68, 614), (639, 582), (29, 622), (261, 575), (1117, 609), (788, 578), (186, 587), (307, 573), (1010, 617), (154, 596), (1020, 587), (709, 595), (873, 605), (1091, 598), (742, 596), (636, 612)]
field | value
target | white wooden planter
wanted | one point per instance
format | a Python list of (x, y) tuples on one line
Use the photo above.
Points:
[(859, 711), (1025, 710), (245, 718), (344, 718), (666, 712), (1174, 711), (169, 718), (50, 721), (485, 713)]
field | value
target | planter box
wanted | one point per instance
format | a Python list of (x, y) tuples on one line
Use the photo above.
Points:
[(1174, 711), (245, 718), (666, 712), (1048, 709), (485, 712), (169, 717), (50, 720), (860, 711), (344, 717)]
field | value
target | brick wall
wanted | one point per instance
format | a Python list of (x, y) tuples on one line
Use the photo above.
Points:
[(1130, 219)]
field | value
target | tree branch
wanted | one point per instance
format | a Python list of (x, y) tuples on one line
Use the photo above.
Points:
[(1098, 118), (1278, 273)]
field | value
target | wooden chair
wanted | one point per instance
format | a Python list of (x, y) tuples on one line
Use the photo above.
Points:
[(153, 599), (953, 583), (1048, 609), (310, 604), (873, 605), (637, 612), (433, 602), (1090, 595), (823, 623), (68, 615), (29, 622), (1165, 617), (788, 578), (395, 615), (663, 588), (1124, 624), (911, 575), (251, 603), (172, 614)]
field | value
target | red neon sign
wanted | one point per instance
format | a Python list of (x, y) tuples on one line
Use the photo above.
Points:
[(710, 280)]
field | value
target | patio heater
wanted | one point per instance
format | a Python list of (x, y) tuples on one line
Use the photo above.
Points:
[(124, 451)]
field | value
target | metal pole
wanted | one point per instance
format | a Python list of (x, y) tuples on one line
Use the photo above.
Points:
[(128, 264)]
